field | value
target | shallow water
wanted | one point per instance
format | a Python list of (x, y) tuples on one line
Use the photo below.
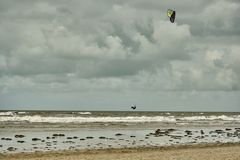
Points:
[(102, 133)]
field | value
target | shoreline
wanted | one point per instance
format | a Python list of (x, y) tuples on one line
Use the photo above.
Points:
[(233, 149)]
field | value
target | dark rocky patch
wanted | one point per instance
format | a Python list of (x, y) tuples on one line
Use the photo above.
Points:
[(20, 141), (69, 138), (202, 132), (219, 131), (6, 139), (132, 136), (69, 142), (1, 145), (58, 135), (160, 132), (71, 147), (19, 136), (48, 144), (228, 129), (171, 130), (188, 132), (36, 139), (89, 137), (11, 149), (102, 137), (176, 137), (118, 134), (82, 139), (229, 134), (75, 137), (48, 137)]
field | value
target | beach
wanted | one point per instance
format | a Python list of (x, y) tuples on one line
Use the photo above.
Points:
[(195, 152)]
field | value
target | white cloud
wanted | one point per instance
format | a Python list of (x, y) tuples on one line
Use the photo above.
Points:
[(118, 45)]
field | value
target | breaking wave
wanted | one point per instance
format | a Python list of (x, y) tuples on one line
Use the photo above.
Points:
[(7, 117)]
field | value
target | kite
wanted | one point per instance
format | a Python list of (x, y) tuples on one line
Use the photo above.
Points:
[(171, 14)]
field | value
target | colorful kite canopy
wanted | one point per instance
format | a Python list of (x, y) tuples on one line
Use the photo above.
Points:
[(171, 14)]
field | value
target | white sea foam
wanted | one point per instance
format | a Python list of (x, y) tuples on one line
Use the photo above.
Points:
[(135, 119), (22, 112), (37, 118), (222, 117), (85, 113), (7, 113)]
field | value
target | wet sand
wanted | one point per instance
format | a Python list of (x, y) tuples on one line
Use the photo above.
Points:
[(189, 152)]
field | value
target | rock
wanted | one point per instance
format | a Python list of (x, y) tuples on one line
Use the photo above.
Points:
[(171, 130), (19, 136), (202, 132), (118, 134), (218, 131), (188, 132), (236, 133), (58, 135), (11, 149), (82, 139), (160, 132), (75, 137), (69, 138), (132, 136), (229, 134), (48, 144), (102, 137), (228, 129), (36, 139), (20, 141), (89, 137), (6, 139), (48, 137)]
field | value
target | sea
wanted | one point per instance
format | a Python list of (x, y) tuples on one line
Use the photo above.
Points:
[(34, 131)]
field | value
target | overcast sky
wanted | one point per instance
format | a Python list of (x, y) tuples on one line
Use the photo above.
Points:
[(110, 54)]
